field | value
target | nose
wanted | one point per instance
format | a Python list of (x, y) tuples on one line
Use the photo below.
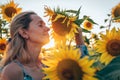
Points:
[(47, 28)]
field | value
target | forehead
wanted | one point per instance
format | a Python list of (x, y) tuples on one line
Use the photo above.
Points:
[(35, 18)]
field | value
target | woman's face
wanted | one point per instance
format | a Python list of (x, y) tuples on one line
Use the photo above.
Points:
[(38, 31)]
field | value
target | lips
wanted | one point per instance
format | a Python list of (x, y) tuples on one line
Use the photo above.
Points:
[(46, 34)]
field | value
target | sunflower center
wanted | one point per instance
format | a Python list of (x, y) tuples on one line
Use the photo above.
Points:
[(69, 70), (59, 27), (88, 24), (2, 46), (10, 11), (117, 12), (113, 47)]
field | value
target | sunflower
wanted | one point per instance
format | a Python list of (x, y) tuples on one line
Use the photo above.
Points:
[(116, 12), (9, 10), (2, 45), (109, 45), (65, 64), (87, 25), (62, 24)]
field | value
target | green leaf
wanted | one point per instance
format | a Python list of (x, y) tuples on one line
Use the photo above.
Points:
[(105, 20), (102, 27), (78, 12), (111, 71), (87, 40), (98, 64), (79, 21), (108, 15), (85, 17), (71, 11), (92, 21), (5, 30), (86, 31)]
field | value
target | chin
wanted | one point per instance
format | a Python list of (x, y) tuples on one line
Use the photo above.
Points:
[(46, 41)]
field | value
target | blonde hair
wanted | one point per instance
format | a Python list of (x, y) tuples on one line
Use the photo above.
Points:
[(16, 48)]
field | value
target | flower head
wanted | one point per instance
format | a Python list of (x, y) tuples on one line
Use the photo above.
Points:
[(87, 25), (2, 45), (116, 12), (9, 10), (63, 24), (65, 64), (109, 45)]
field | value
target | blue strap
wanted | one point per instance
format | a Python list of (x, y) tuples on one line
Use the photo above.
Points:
[(26, 75)]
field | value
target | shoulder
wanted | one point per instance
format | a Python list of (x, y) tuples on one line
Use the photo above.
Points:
[(11, 71)]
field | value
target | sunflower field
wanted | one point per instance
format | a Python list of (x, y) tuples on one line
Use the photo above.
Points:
[(63, 61)]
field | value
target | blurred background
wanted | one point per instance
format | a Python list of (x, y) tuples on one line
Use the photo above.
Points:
[(96, 9)]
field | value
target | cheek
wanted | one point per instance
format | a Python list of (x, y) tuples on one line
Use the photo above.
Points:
[(35, 32), (38, 35)]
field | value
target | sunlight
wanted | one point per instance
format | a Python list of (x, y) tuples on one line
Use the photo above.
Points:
[(50, 44)]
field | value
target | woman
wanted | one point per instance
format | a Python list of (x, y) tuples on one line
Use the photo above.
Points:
[(28, 34)]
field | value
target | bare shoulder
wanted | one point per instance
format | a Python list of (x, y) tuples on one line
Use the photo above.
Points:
[(12, 72)]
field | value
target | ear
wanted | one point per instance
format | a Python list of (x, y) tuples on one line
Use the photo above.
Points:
[(23, 33)]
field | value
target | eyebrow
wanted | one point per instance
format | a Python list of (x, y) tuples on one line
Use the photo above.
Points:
[(41, 22)]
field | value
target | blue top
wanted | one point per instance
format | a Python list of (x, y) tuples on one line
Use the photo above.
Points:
[(25, 74)]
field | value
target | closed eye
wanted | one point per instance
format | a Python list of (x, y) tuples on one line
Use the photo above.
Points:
[(41, 23)]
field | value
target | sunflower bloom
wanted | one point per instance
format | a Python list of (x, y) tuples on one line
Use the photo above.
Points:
[(61, 23), (65, 64), (48, 12), (9, 10), (87, 25), (2, 45), (116, 12), (109, 45)]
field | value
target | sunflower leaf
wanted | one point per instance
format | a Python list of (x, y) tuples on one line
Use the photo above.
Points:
[(105, 20), (108, 15), (79, 21), (101, 27), (98, 65), (111, 71), (86, 31), (87, 40), (5, 30), (91, 21), (78, 12), (85, 17), (71, 11)]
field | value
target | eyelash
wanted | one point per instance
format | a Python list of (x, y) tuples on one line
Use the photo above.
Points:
[(40, 25)]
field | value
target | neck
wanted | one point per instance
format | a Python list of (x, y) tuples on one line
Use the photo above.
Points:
[(34, 51)]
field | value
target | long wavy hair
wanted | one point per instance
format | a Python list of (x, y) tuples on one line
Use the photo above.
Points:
[(16, 48)]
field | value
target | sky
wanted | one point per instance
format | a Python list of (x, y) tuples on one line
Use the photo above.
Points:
[(96, 9)]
